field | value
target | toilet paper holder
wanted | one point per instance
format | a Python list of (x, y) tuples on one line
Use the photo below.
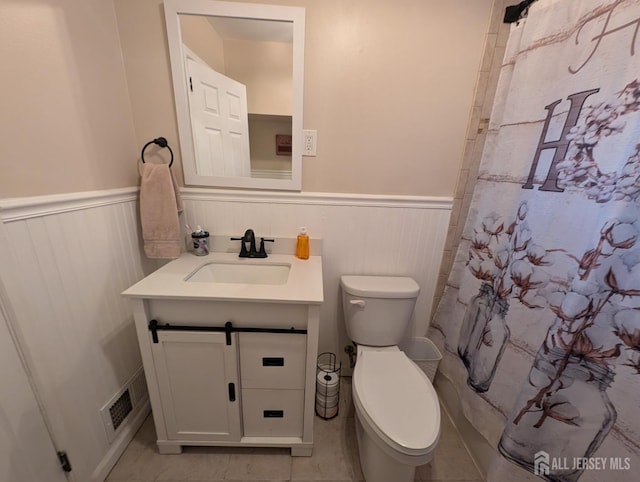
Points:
[(327, 385)]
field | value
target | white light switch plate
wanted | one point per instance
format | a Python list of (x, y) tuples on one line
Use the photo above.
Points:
[(309, 141)]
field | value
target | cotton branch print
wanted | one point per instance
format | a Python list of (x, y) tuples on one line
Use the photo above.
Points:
[(504, 255), (597, 320)]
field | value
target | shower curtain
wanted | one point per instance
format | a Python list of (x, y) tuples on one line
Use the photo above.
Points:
[(540, 320)]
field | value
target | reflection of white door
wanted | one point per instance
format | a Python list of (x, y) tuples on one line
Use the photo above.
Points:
[(219, 122), (27, 453)]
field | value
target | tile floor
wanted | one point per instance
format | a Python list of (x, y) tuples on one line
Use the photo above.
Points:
[(335, 457)]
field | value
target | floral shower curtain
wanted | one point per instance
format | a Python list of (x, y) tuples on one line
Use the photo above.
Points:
[(540, 320)]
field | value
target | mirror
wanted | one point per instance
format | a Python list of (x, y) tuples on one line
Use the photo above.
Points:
[(237, 73)]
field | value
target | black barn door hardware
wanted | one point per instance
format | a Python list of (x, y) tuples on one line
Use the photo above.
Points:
[(228, 328)]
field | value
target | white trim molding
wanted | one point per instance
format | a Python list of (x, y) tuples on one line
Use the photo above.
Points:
[(16, 209), (330, 199)]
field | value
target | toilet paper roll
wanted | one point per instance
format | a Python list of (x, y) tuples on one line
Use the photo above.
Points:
[(329, 380), (327, 412), (326, 401), (326, 392)]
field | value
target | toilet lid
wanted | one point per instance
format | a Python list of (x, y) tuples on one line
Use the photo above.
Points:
[(380, 286), (398, 398)]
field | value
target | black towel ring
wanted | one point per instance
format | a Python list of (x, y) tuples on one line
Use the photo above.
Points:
[(160, 141)]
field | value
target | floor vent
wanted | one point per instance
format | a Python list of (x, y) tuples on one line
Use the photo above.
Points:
[(120, 409), (127, 400)]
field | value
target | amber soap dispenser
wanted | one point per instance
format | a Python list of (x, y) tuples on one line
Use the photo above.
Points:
[(302, 246)]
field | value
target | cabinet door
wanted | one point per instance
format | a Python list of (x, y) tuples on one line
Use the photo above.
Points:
[(198, 381)]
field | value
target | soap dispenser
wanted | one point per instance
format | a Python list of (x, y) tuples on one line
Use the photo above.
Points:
[(302, 246)]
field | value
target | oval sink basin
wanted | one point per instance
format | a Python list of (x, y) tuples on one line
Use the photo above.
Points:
[(244, 272)]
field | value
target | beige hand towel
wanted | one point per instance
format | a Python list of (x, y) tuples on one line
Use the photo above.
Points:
[(160, 203)]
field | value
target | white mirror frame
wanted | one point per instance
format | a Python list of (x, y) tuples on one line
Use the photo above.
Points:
[(296, 15)]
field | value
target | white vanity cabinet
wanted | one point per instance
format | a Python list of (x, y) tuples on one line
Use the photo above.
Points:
[(228, 370)]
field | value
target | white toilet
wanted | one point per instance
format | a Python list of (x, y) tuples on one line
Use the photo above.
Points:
[(397, 409)]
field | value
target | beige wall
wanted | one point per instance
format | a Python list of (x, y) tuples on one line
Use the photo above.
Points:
[(145, 52), (200, 36), (65, 117), (266, 68), (388, 86)]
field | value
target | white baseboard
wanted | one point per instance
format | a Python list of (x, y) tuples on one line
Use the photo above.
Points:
[(120, 444), (480, 450)]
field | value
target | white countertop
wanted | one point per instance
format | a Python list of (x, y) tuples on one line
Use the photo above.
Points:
[(304, 284)]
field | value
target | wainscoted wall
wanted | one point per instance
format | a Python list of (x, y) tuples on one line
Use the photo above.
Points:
[(64, 260), (361, 234)]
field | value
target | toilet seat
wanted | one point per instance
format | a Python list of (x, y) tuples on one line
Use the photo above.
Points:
[(397, 400)]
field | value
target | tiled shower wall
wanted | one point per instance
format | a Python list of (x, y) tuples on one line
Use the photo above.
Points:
[(486, 84)]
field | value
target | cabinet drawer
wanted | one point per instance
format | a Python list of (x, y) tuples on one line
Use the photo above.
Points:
[(272, 360), (276, 413)]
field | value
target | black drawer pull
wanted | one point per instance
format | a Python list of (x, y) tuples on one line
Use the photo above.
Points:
[(232, 392), (273, 362), (273, 414)]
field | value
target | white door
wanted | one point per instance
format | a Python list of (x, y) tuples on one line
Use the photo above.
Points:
[(27, 453), (198, 381), (219, 121)]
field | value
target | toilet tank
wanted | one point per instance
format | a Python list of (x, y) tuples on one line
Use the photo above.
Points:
[(377, 309)]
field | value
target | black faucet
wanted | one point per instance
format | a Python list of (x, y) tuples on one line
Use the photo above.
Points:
[(251, 252)]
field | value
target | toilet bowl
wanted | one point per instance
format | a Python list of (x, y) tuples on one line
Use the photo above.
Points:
[(397, 415), (397, 410)]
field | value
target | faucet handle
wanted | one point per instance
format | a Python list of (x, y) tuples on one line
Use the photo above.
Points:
[(243, 248), (263, 253)]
